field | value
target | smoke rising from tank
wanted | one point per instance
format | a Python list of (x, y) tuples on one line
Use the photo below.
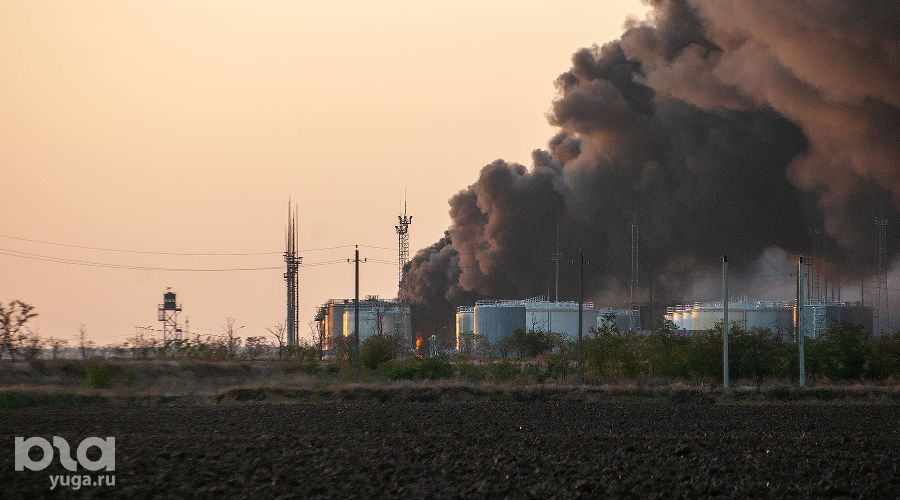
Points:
[(726, 128)]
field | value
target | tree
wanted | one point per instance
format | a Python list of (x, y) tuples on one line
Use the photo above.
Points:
[(278, 331), (378, 349), (256, 347), (57, 345), (29, 343), (14, 318), (232, 341), (83, 343)]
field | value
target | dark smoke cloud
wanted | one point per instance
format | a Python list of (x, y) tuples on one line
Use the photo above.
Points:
[(726, 127)]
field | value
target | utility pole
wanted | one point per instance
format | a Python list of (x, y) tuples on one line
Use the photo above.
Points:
[(356, 318), (556, 257), (580, 313), (725, 322), (800, 335), (635, 290)]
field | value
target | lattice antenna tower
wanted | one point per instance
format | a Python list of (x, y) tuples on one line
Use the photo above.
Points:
[(292, 277), (402, 229), (816, 265), (880, 309), (635, 290)]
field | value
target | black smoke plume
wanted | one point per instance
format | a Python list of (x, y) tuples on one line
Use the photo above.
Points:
[(723, 127)]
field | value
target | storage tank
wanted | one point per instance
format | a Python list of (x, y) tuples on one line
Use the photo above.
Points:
[(775, 316), (465, 323), (559, 317), (497, 319), (708, 314), (368, 322), (621, 317)]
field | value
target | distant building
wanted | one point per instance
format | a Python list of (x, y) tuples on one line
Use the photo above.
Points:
[(465, 325), (623, 319), (777, 316), (821, 315), (494, 320), (335, 320)]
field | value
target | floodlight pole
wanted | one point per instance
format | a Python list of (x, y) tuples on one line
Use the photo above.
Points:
[(580, 313), (725, 321), (356, 320), (800, 335)]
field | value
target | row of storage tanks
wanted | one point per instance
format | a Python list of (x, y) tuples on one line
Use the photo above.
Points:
[(336, 319), (495, 319), (777, 316), (774, 315)]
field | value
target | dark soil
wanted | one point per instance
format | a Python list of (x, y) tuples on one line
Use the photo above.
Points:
[(474, 449)]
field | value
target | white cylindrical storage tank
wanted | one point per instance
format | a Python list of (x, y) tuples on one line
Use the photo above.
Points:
[(497, 320), (538, 319), (368, 322), (565, 321), (391, 322), (687, 318), (465, 324), (707, 318)]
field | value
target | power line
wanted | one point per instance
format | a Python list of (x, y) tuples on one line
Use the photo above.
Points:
[(119, 250), (63, 260), (190, 254)]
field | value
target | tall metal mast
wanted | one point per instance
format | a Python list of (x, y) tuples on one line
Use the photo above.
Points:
[(291, 276), (556, 257), (635, 291), (402, 229), (880, 309)]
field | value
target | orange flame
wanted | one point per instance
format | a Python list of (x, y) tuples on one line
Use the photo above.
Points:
[(418, 342)]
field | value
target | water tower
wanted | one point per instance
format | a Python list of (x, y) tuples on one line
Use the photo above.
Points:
[(167, 313)]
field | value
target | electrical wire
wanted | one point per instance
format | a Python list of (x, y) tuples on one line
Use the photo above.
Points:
[(119, 250), (191, 254), (63, 260)]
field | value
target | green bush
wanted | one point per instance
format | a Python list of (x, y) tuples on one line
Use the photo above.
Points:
[(472, 372), (535, 372), (98, 374), (502, 371), (378, 349), (129, 375), (527, 344), (435, 368), (405, 369), (416, 368)]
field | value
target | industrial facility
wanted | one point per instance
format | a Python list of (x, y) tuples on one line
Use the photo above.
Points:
[(494, 320), (819, 316), (335, 320), (777, 316), (623, 319)]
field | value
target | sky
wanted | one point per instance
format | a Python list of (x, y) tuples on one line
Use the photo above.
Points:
[(172, 127)]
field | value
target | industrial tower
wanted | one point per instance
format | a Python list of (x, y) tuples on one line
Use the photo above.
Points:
[(291, 276), (815, 275), (880, 308), (635, 291), (167, 313), (403, 247)]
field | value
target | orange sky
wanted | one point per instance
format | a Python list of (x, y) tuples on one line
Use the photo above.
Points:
[(184, 126)]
